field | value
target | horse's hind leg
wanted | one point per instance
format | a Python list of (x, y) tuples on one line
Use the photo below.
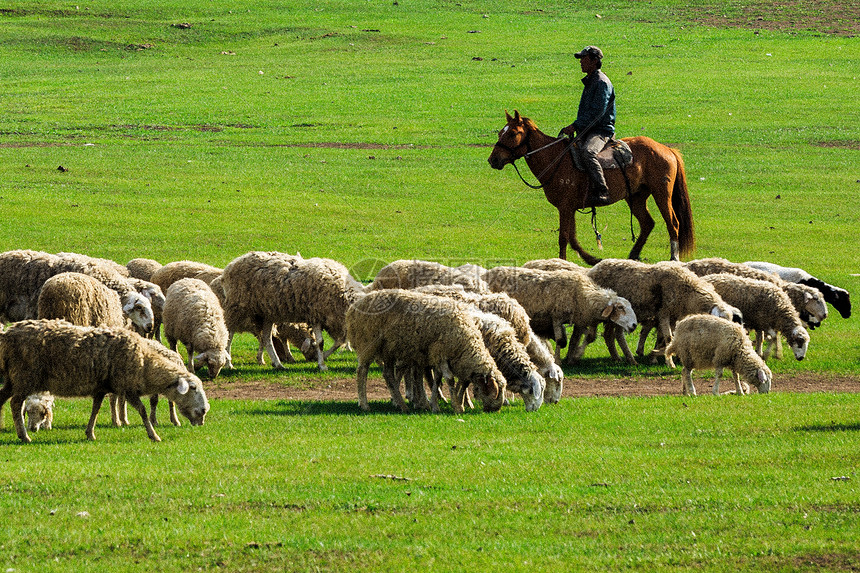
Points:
[(639, 208), (567, 234), (663, 198)]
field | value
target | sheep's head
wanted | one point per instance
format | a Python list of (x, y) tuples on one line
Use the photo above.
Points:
[(814, 308), (621, 313), (40, 411), (763, 379), (187, 392), (138, 309), (532, 391), (490, 390), (798, 340), (214, 360)]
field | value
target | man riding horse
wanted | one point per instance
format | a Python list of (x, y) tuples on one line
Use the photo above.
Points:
[(595, 123)]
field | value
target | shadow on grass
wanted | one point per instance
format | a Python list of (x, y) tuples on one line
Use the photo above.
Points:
[(336, 408), (829, 428)]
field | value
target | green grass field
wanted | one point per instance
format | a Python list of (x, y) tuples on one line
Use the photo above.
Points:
[(360, 130)]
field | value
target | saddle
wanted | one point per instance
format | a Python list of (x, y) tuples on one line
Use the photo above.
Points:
[(616, 154)]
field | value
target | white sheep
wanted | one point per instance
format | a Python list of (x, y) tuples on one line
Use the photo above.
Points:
[(717, 265), (554, 265), (23, 272), (503, 305), (141, 268), (172, 272), (299, 334), (39, 409), (408, 274), (838, 297), (67, 360), (193, 315), (153, 293), (766, 309), (660, 294), (277, 287), (555, 298), (80, 299), (409, 330), (706, 341)]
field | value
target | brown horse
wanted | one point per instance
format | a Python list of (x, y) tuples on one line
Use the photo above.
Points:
[(657, 170)]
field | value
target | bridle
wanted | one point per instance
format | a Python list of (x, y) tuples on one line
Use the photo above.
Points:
[(529, 152)]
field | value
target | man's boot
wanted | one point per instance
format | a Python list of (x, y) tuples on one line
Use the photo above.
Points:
[(598, 192)]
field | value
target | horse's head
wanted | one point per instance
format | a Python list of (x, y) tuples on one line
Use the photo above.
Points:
[(512, 143)]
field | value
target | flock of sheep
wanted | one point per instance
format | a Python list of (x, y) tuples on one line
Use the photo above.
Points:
[(83, 326)]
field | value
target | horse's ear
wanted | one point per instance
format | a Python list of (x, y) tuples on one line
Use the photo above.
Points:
[(517, 116), (508, 116)]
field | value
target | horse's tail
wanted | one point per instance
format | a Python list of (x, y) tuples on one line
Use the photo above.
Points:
[(683, 209)]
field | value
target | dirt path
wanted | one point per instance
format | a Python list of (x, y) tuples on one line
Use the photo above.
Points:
[(343, 389)]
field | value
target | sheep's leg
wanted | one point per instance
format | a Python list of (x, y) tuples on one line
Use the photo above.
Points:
[(113, 400), (738, 386), (415, 386), (435, 390), (230, 349), (393, 386), (98, 398), (190, 350), (171, 408), (718, 373), (361, 383), (622, 343), (664, 337), (759, 340), (458, 397), (134, 400), (778, 352), (153, 405), (334, 348), (321, 356), (643, 337), (5, 394), (687, 377), (266, 335), (17, 404)]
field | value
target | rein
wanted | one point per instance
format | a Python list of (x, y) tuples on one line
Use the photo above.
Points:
[(554, 163)]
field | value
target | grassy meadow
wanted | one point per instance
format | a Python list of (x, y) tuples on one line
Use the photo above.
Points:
[(359, 130)]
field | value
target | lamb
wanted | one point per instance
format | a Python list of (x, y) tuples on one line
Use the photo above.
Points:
[(408, 274), (661, 294), (555, 298), (766, 309), (412, 330), (838, 297), (276, 287), (506, 307), (141, 268), (154, 294), (193, 315), (172, 272), (22, 274), (706, 341), (68, 360), (39, 409)]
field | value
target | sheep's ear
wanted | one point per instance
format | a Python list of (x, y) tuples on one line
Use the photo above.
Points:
[(807, 297), (182, 386), (761, 375), (607, 312), (306, 345), (715, 311)]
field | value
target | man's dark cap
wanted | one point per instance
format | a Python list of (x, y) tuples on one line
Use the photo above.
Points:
[(592, 51)]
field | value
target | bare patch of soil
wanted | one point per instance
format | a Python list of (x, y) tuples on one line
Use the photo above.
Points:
[(832, 17), (343, 389)]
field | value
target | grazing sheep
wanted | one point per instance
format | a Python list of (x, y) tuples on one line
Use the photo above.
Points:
[(172, 272), (299, 334), (717, 265), (22, 274), (838, 297), (142, 268), (706, 341), (412, 330), (506, 307), (276, 287), (808, 301), (67, 360), (39, 409), (554, 265), (555, 298), (766, 309), (660, 294), (111, 266), (193, 315), (80, 299), (408, 274)]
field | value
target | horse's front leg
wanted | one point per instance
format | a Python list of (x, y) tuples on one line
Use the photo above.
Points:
[(567, 232), (639, 208)]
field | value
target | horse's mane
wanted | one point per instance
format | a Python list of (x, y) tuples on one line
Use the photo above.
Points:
[(529, 124)]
